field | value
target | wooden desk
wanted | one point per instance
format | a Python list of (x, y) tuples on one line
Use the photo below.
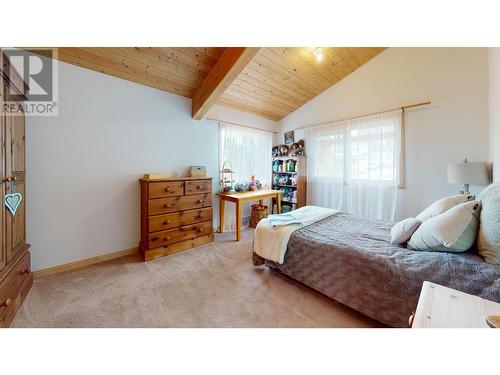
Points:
[(442, 307), (239, 199)]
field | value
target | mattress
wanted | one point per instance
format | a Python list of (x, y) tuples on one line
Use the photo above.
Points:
[(351, 260)]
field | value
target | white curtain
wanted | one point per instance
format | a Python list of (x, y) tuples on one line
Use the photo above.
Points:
[(250, 153), (354, 165)]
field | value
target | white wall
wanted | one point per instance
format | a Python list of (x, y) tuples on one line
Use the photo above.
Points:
[(230, 115), (494, 60), (454, 126), (83, 165)]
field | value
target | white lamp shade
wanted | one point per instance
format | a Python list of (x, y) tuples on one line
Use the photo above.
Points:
[(468, 173)]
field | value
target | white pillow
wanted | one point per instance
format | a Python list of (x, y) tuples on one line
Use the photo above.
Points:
[(402, 231), (488, 239), (442, 205), (454, 230)]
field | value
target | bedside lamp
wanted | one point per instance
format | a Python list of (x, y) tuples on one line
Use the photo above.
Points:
[(468, 173)]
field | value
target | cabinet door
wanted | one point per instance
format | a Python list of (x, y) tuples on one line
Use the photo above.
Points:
[(15, 169)]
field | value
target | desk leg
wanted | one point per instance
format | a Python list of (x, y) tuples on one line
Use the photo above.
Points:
[(278, 203), (239, 208), (222, 204)]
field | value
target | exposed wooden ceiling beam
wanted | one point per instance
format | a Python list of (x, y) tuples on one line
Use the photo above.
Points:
[(229, 65)]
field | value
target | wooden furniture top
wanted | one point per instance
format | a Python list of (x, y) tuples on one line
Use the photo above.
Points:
[(178, 178), (256, 194), (443, 307)]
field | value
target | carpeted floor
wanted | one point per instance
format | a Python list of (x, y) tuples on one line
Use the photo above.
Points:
[(210, 286)]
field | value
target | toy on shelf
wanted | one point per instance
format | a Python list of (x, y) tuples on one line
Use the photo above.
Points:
[(276, 151), (297, 148), (276, 165), (291, 166), (283, 150)]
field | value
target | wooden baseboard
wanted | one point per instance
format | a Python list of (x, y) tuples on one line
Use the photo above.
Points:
[(85, 262)]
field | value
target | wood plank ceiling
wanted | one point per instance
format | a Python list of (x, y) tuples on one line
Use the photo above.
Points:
[(277, 81), (274, 83), (179, 71)]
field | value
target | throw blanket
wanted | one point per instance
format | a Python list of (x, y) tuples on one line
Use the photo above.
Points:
[(272, 234)]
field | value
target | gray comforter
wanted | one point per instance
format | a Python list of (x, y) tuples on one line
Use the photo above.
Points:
[(351, 260)]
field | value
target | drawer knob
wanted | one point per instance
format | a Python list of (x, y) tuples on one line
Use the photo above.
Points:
[(201, 230), (200, 200), (168, 190), (166, 206), (166, 238), (27, 270), (166, 222), (199, 187), (6, 303)]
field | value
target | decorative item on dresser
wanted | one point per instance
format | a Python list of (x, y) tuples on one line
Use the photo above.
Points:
[(15, 272), (176, 215)]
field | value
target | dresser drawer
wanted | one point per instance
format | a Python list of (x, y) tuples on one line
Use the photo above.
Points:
[(198, 186), (11, 283), (166, 205), (166, 189), (179, 234), (163, 222)]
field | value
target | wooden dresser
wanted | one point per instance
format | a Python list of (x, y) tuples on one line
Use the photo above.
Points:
[(15, 271), (176, 215)]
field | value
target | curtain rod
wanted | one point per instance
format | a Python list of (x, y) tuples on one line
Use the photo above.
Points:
[(244, 126), (368, 114)]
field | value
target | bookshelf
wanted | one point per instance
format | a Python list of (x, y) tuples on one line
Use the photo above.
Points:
[(289, 175)]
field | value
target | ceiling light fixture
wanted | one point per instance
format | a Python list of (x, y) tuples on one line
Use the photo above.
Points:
[(318, 52)]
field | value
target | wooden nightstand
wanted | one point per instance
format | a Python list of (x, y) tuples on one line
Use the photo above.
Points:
[(442, 307)]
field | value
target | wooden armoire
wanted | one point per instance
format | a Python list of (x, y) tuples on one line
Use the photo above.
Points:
[(15, 271)]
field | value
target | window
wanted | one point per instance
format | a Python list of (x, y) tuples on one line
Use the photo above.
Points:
[(363, 156), (372, 149), (250, 153)]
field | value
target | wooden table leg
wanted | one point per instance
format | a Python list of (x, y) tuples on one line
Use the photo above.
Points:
[(222, 204), (278, 203), (239, 208)]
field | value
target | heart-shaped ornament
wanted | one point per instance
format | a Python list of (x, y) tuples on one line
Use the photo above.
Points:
[(12, 202)]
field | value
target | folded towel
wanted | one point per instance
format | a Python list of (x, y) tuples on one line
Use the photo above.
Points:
[(271, 240), (302, 216)]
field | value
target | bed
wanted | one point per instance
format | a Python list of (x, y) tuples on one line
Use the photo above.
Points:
[(351, 260)]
